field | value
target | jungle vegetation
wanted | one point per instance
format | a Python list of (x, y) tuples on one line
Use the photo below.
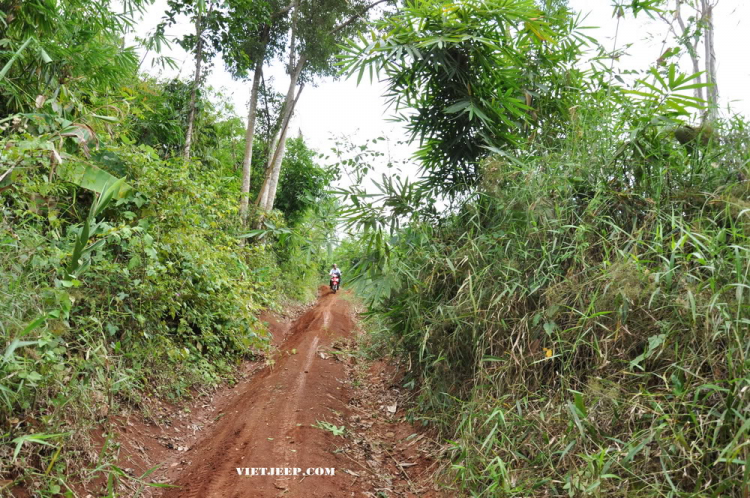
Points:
[(566, 284)]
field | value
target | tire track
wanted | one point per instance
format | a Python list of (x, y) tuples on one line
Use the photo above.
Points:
[(270, 424)]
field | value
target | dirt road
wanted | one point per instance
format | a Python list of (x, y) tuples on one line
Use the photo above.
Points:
[(277, 421)]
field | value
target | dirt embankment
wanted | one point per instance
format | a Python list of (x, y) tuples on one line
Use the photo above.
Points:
[(300, 411)]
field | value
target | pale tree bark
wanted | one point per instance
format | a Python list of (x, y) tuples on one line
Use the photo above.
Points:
[(276, 156), (279, 156), (263, 193), (249, 138), (265, 199), (267, 195), (692, 47), (702, 28), (268, 180), (273, 180), (196, 82), (710, 50)]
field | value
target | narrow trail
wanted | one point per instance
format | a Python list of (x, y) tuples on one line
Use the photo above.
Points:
[(270, 423)]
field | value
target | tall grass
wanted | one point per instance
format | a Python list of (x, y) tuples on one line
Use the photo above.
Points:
[(581, 329)]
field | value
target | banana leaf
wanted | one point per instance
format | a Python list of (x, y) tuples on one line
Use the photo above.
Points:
[(90, 177)]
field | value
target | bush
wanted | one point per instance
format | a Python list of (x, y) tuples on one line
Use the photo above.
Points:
[(576, 335), (169, 303)]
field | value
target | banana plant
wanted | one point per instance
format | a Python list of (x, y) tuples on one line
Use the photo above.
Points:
[(78, 264)]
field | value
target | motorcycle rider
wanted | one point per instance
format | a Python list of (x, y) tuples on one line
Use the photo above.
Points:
[(335, 271)]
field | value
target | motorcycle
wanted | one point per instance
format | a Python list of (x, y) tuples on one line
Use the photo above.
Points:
[(335, 283)]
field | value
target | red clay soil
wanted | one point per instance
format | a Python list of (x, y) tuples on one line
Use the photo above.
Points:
[(275, 417), (273, 421)]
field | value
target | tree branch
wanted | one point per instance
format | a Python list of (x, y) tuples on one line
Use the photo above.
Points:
[(9, 171), (283, 11), (356, 16)]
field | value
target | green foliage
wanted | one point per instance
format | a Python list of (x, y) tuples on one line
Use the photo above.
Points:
[(65, 50), (254, 31), (159, 114), (472, 77), (230, 27), (577, 322), (303, 251), (168, 301), (302, 183), (576, 339), (332, 428), (78, 264), (112, 290), (321, 27), (576, 317)]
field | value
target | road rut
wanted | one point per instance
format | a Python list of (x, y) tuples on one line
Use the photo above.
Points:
[(270, 424)]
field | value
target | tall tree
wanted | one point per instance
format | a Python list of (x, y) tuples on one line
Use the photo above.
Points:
[(690, 39), (247, 159), (294, 68), (273, 168), (697, 29), (279, 155), (199, 21), (707, 13), (318, 27), (255, 35), (211, 20)]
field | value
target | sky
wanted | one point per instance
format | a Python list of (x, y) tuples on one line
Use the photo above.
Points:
[(340, 107), (645, 37)]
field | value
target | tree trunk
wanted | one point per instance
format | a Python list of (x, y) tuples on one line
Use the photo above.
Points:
[(267, 194), (196, 82), (294, 71), (249, 136), (263, 194), (712, 92), (266, 200), (692, 48), (279, 156), (275, 171)]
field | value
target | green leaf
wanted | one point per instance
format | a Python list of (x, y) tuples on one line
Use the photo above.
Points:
[(251, 234), (15, 56), (90, 177), (44, 55), (33, 325), (106, 197), (33, 438), (458, 106), (95, 246), (15, 344), (110, 119)]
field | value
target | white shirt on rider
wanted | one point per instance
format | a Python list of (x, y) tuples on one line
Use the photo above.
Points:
[(335, 271)]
